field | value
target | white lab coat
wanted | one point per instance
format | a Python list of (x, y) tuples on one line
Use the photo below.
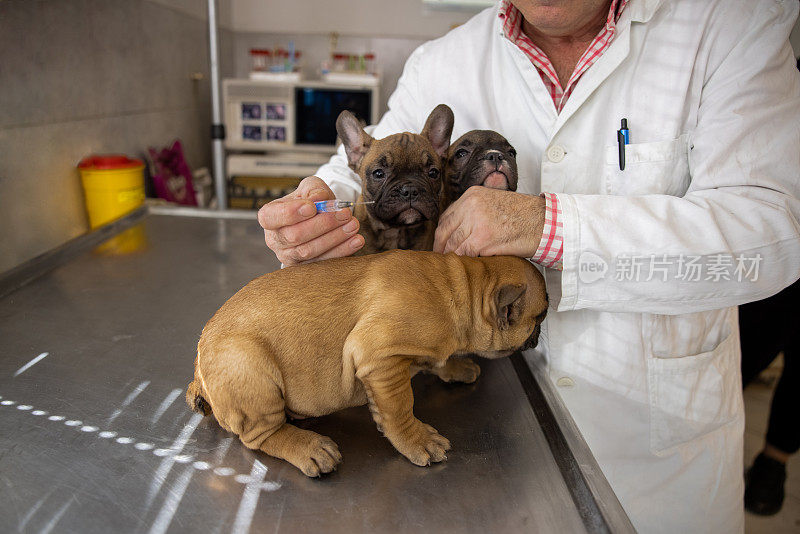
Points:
[(650, 369)]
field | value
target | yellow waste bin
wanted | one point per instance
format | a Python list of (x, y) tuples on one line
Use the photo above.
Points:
[(113, 186)]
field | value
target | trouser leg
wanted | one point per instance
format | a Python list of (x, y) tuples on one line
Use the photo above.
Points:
[(765, 328), (783, 431)]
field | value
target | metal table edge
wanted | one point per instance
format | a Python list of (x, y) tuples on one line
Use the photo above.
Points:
[(592, 494)]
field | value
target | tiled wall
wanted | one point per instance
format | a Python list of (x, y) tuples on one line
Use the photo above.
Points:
[(91, 76)]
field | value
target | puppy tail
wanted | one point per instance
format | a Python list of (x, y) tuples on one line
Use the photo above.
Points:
[(195, 399)]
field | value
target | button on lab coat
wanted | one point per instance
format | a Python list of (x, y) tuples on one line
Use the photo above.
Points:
[(647, 361)]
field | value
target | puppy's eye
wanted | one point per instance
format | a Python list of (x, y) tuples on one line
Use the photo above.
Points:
[(460, 153), (512, 153), (433, 173), (378, 174)]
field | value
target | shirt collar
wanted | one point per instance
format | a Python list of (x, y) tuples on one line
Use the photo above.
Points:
[(643, 10)]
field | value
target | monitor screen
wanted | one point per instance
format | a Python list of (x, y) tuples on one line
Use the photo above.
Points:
[(317, 109)]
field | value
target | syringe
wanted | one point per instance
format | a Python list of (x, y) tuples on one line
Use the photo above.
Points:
[(327, 206)]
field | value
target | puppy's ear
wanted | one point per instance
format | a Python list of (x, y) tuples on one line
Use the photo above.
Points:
[(508, 303), (355, 140), (439, 127)]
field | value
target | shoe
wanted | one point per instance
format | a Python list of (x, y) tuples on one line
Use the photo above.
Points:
[(763, 492)]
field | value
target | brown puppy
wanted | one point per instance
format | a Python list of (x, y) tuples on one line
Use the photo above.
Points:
[(271, 351), (480, 157), (402, 175)]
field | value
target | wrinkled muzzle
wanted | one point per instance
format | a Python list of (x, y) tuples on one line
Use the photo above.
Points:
[(407, 203)]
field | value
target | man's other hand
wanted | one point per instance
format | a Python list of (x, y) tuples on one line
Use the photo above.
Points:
[(490, 222)]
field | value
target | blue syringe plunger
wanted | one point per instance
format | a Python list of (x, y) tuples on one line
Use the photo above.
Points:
[(327, 206)]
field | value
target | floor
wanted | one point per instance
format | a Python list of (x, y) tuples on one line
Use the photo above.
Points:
[(757, 399)]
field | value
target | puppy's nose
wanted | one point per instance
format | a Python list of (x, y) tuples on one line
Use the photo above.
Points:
[(494, 156), (409, 192)]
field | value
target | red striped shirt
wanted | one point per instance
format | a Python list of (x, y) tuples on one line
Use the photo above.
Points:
[(512, 28), (551, 245)]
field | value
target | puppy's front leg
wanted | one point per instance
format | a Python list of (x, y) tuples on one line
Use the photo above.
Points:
[(457, 370), (391, 402)]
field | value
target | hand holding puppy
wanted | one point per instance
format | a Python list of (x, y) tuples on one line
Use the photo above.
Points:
[(490, 222), (294, 231)]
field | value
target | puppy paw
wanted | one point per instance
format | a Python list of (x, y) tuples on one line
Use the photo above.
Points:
[(459, 370), (422, 444), (317, 456)]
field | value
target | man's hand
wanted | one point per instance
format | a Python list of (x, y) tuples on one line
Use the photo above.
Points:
[(490, 222), (297, 234)]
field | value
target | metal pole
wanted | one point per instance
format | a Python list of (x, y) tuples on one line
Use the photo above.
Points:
[(217, 128)]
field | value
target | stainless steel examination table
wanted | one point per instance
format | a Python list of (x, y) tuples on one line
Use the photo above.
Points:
[(96, 350)]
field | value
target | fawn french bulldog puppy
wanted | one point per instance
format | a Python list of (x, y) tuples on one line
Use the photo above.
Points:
[(402, 174), (480, 157), (374, 321)]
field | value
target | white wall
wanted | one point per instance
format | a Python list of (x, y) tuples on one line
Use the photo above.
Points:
[(372, 18), (199, 9)]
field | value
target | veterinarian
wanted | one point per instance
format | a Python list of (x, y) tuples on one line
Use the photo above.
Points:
[(650, 241)]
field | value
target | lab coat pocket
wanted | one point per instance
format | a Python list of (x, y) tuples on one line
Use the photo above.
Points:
[(693, 395), (659, 168)]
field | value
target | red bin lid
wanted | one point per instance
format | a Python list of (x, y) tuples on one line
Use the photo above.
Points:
[(107, 162)]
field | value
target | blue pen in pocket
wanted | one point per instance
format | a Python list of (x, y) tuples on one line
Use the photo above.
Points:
[(623, 138)]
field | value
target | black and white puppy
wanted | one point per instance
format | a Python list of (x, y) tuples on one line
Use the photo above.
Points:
[(480, 157)]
